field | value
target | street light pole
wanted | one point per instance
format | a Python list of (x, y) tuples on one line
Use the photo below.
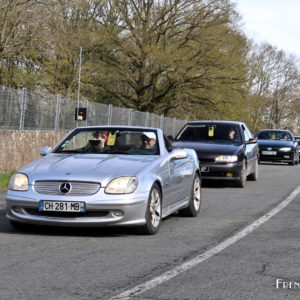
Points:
[(78, 95)]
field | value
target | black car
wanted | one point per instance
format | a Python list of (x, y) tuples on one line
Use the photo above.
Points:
[(226, 149), (277, 146), (297, 139)]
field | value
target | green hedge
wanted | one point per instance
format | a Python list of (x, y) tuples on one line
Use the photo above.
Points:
[(4, 179)]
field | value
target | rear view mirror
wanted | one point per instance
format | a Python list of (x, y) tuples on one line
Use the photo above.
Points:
[(45, 150)]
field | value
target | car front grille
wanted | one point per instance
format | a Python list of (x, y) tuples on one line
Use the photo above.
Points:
[(269, 148), (206, 160), (54, 214), (77, 188)]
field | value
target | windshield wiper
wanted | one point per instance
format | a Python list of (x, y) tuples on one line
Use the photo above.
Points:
[(70, 151)]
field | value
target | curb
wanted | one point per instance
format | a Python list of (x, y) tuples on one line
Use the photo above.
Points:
[(2, 196)]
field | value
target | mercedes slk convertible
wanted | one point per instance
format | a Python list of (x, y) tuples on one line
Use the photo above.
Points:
[(106, 176)]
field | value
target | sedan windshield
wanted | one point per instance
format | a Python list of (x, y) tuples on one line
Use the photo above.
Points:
[(210, 133), (110, 141), (274, 135)]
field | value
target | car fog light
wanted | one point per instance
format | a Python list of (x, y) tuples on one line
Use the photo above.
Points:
[(17, 209), (229, 174), (117, 213)]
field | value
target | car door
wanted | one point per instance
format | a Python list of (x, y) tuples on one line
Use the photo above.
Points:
[(251, 148), (181, 171)]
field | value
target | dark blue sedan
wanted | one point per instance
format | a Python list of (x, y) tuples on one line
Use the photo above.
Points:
[(277, 146), (226, 149)]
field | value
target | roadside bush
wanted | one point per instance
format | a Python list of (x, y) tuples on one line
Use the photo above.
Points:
[(4, 179)]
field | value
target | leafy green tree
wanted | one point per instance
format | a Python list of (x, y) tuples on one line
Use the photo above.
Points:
[(168, 56), (18, 43)]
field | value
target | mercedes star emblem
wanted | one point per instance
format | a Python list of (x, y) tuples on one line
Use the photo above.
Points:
[(65, 188)]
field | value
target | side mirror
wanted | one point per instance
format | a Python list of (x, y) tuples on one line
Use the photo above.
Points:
[(45, 150), (170, 138), (252, 141), (179, 155), (169, 148)]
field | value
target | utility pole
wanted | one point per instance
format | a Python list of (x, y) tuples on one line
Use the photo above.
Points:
[(78, 95)]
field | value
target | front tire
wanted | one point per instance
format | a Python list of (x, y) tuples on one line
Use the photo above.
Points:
[(153, 211), (195, 200), (294, 160), (242, 181), (254, 175)]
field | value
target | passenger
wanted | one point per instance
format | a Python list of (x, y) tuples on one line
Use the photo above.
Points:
[(264, 136), (98, 142)]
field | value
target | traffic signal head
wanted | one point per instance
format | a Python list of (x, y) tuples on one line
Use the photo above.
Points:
[(81, 115)]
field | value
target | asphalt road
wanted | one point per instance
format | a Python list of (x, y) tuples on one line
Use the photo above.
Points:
[(58, 263)]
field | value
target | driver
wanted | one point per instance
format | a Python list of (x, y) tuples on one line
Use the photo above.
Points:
[(149, 142)]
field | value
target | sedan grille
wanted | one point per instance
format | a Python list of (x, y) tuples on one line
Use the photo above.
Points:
[(75, 188)]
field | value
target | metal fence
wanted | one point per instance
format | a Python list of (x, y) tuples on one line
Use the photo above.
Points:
[(28, 110)]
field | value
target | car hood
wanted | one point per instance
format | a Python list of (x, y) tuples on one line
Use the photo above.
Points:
[(88, 167), (275, 143), (210, 150)]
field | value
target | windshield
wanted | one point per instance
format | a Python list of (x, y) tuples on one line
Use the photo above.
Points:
[(110, 141), (274, 135), (210, 133)]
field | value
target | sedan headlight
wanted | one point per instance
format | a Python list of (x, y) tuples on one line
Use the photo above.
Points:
[(18, 182), (122, 185), (285, 149), (226, 158)]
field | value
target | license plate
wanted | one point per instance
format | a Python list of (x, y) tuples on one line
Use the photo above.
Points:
[(269, 153), (63, 206), (204, 169)]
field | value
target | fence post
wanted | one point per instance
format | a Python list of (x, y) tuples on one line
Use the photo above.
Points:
[(147, 119), (174, 126), (23, 105), (86, 107), (58, 100), (109, 114), (130, 116), (161, 122)]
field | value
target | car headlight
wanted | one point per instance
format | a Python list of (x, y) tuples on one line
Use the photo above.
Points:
[(226, 158), (122, 185), (285, 149), (18, 182)]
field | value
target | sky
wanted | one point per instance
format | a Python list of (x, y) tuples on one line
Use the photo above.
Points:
[(274, 21)]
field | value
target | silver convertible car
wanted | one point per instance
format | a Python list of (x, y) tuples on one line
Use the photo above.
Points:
[(106, 176)]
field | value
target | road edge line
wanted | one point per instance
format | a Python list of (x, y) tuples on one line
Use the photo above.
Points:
[(140, 289)]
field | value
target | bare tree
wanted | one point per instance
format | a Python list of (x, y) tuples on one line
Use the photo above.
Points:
[(273, 87)]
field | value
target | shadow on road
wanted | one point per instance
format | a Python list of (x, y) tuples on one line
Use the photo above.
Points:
[(26, 229), (206, 183), (275, 163)]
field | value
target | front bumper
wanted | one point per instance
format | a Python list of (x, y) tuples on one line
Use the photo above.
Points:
[(101, 210), (279, 157), (221, 171)]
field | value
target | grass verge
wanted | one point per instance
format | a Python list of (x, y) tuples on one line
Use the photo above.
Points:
[(4, 179)]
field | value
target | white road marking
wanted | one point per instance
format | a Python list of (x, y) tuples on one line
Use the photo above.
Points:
[(140, 289)]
